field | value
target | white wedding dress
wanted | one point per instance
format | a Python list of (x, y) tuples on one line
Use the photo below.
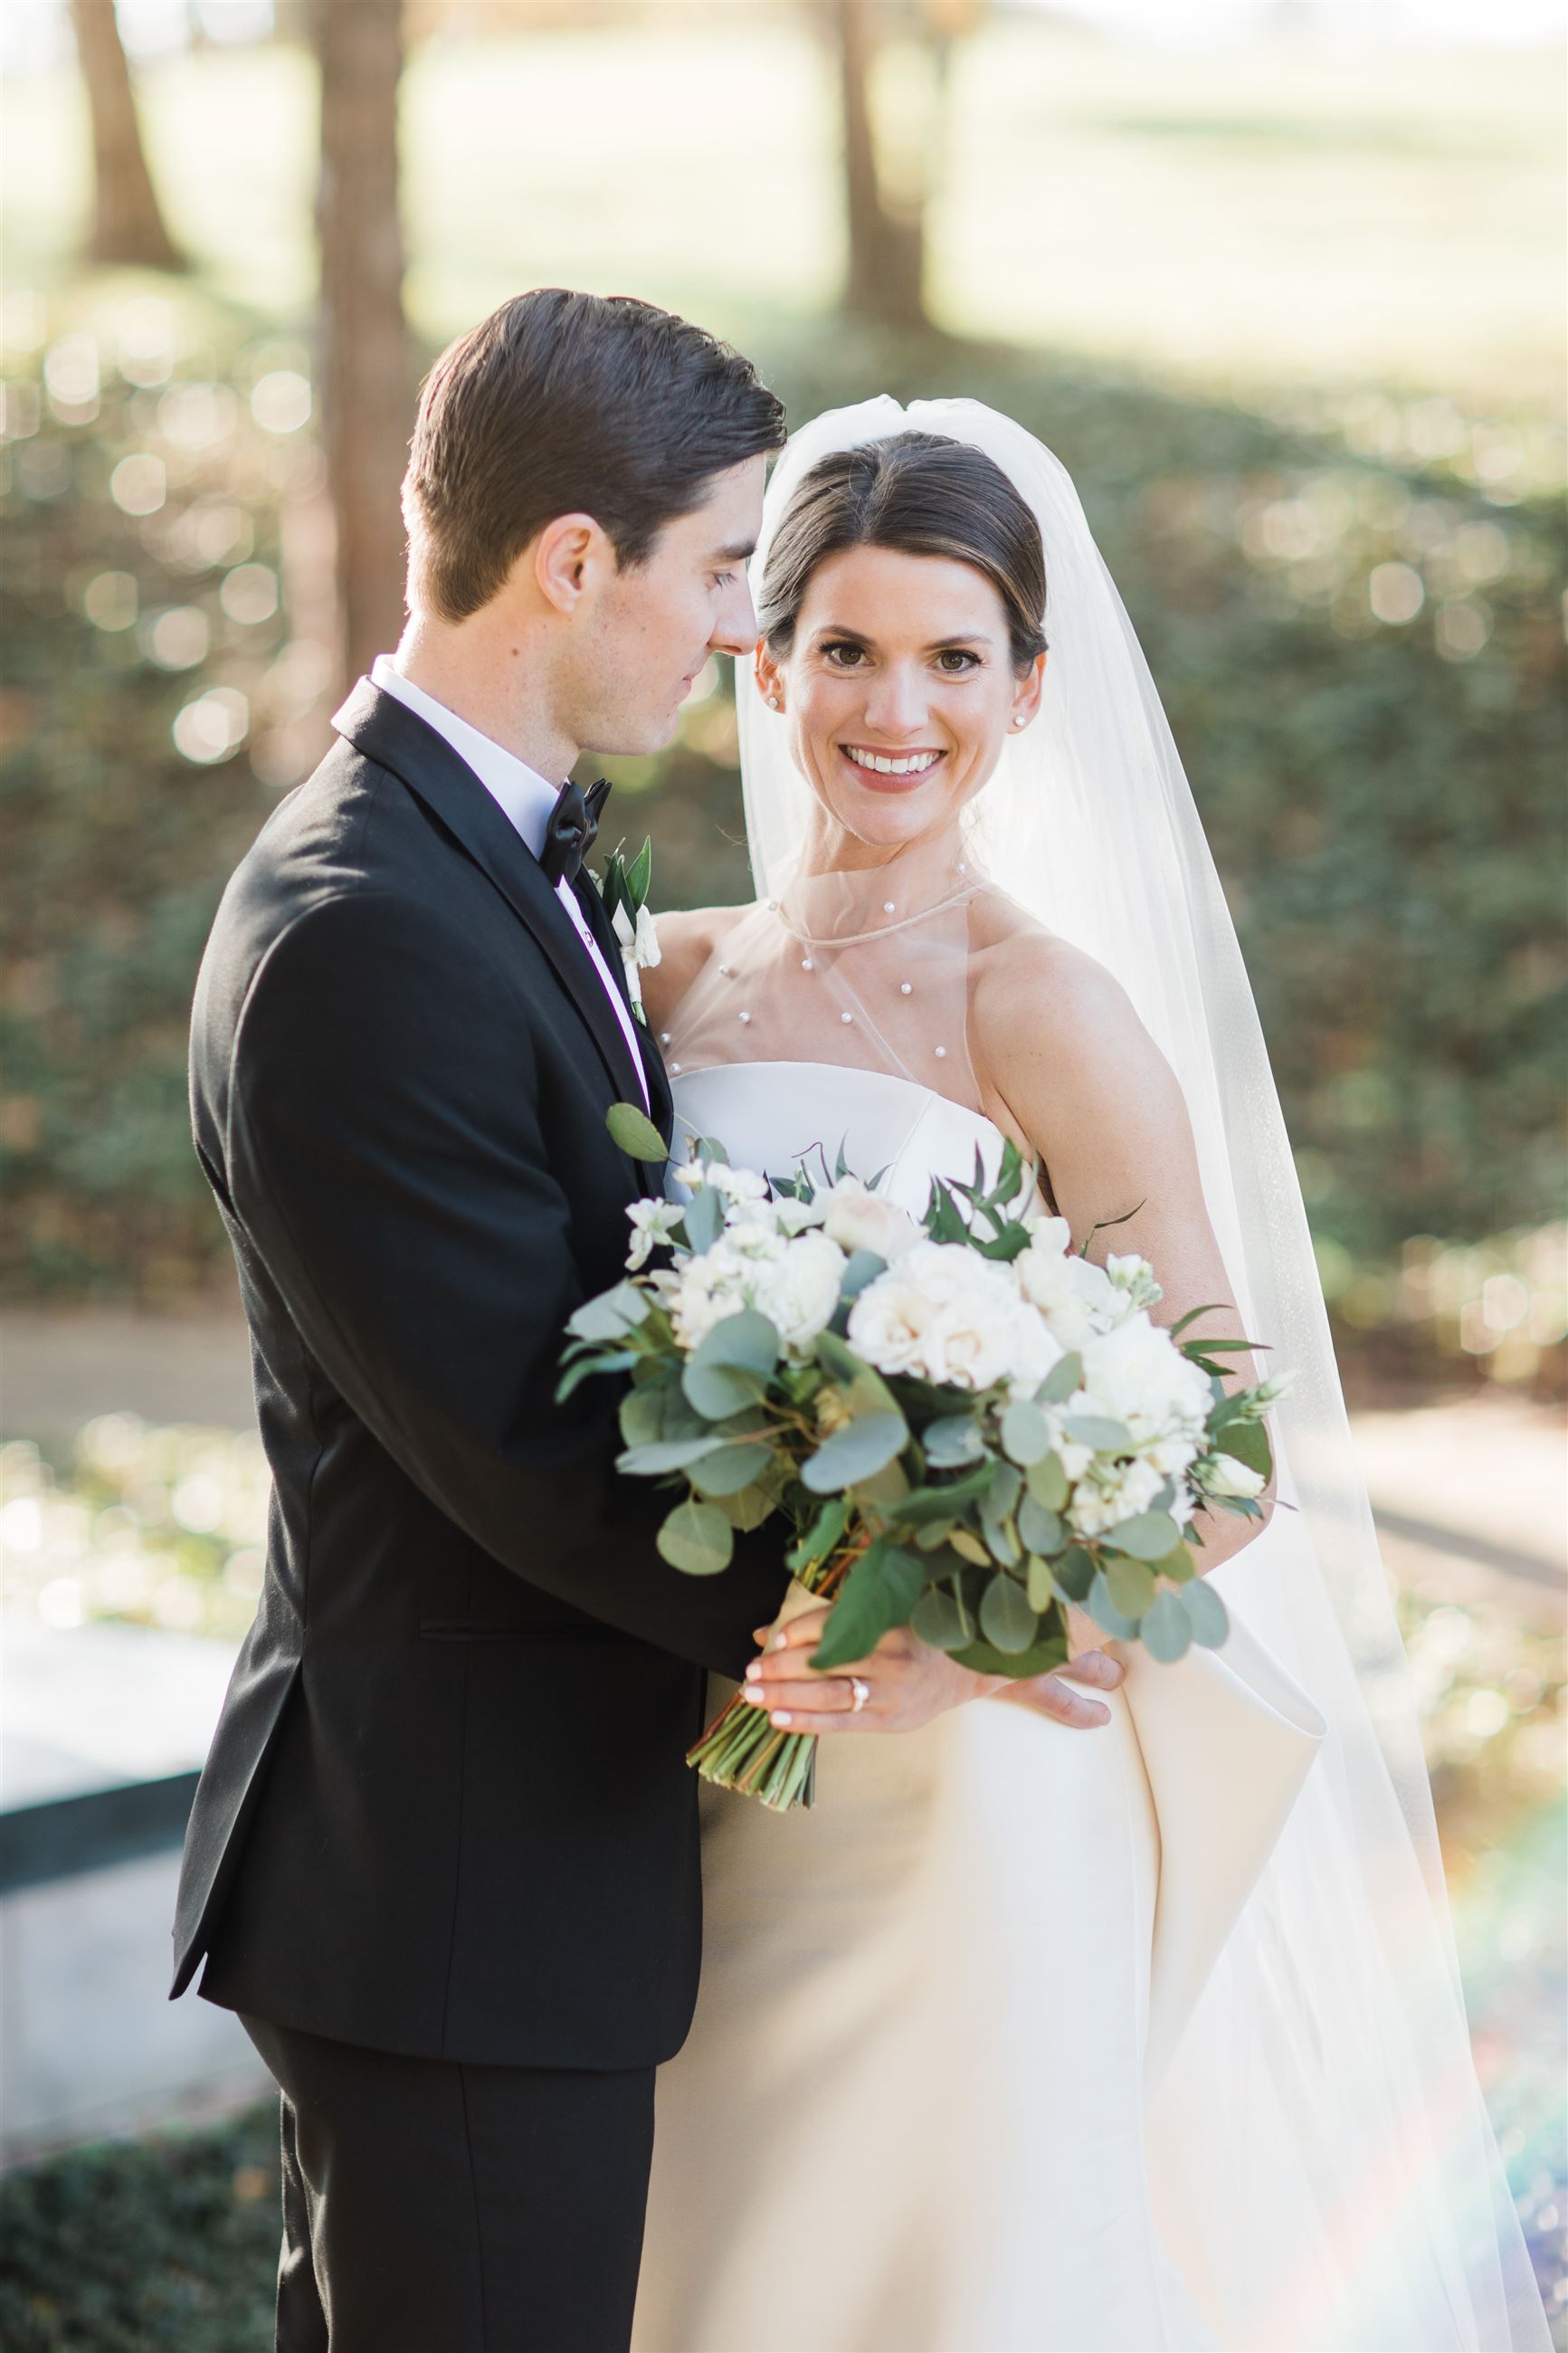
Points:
[(908, 2117)]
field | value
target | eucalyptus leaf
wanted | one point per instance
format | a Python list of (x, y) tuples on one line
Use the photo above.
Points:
[(610, 1315), (751, 1505), (1207, 1613), (880, 1592), (1039, 1658), (730, 1470), (1074, 1572), (1007, 1620), (818, 1540), (1150, 1537), (1025, 1432), (746, 1338), (636, 1134), (931, 1503), (1248, 1443), (704, 1217), (649, 1462), (855, 1452), (939, 1621), (1039, 1530), (641, 1416), (932, 1536), (1130, 1583), (864, 1391), (1106, 1437), (697, 1538), (639, 873), (968, 1546), (1064, 1376), (951, 1441), (1103, 1610), (861, 1267), (1047, 1482), (1166, 1628), (1040, 1585)]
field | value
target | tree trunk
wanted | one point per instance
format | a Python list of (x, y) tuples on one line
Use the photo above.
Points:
[(886, 249), (365, 378), (126, 225)]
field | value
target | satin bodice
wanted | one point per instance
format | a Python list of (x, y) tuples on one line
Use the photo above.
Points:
[(770, 1116)]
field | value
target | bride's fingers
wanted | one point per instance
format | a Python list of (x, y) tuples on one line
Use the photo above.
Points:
[(1096, 1667)]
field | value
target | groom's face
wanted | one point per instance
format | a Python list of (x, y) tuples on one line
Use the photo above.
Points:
[(654, 624)]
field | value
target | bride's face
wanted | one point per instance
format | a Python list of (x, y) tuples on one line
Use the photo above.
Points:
[(898, 690)]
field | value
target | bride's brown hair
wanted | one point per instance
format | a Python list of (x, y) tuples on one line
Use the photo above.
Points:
[(920, 494)]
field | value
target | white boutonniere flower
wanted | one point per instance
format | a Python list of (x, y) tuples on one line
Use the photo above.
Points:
[(624, 893)]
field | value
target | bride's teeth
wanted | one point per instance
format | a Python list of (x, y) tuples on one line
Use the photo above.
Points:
[(915, 766)]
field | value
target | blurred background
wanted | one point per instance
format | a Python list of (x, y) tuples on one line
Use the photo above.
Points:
[(1281, 281)]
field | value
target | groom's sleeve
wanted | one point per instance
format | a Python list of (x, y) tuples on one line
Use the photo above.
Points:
[(385, 1154)]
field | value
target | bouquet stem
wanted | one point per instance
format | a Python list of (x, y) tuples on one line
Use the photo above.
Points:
[(740, 1748)]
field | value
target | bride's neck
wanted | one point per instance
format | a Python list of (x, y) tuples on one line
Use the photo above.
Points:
[(832, 848)]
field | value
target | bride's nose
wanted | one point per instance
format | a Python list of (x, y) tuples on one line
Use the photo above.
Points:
[(896, 704)]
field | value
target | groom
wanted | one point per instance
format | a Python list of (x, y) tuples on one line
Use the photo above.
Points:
[(443, 1859)]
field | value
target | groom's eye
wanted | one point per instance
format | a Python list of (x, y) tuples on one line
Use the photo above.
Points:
[(722, 579)]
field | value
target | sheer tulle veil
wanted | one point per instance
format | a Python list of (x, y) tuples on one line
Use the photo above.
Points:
[(1326, 2173)]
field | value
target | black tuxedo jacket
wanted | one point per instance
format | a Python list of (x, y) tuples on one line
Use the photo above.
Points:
[(446, 1810)]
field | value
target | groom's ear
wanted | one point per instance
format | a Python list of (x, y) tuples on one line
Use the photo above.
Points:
[(572, 558)]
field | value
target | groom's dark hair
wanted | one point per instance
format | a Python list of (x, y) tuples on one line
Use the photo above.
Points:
[(558, 404)]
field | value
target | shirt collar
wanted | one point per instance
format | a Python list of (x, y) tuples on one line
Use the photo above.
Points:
[(520, 790)]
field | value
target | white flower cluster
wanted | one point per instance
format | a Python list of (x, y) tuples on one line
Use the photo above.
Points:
[(944, 1312)]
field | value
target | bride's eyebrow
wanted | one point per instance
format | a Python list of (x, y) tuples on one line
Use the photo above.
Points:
[(832, 629)]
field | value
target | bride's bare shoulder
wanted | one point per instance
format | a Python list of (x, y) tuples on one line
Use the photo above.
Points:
[(687, 938), (1035, 996)]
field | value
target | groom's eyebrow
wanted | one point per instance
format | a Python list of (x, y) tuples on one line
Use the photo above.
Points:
[(737, 554)]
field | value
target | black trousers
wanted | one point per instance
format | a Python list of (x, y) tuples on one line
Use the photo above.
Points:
[(432, 2207)]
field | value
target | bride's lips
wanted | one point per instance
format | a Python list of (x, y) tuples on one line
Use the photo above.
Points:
[(878, 780)]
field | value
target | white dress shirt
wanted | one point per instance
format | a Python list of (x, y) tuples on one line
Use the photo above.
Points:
[(527, 800)]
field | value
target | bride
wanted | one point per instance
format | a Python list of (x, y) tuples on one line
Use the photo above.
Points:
[(935, 2094)]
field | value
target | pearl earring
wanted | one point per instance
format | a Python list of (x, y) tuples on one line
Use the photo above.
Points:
[(773, 703)]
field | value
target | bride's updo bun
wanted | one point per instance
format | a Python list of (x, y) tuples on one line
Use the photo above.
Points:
[(920, 494)]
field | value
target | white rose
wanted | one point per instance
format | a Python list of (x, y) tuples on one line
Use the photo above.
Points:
[(1136, 1373), (947, 1315), (858, 1219), (1133, 1281), (1075, 1297), (797, 1290), (1225, 1476)]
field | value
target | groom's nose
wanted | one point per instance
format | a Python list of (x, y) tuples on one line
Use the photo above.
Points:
[(735, 629)]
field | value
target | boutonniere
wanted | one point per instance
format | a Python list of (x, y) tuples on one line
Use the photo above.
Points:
[(624, 893)]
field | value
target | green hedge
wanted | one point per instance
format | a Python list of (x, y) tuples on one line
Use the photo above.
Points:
[(1388, 820), (169, 2242)]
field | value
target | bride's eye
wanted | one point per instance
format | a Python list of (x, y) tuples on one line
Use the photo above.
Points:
[(959, 655), (843, 656)]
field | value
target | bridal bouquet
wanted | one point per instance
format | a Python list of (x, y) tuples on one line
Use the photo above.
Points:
[(965, 1421)]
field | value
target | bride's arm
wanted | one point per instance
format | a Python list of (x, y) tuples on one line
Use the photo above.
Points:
[(1057, 1043)]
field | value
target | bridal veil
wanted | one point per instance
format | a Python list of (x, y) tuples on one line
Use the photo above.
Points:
[(1324, 2167)]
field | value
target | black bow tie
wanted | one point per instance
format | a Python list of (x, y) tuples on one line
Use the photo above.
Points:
[(572, 826)]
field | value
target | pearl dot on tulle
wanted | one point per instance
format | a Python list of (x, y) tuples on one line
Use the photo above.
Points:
[(846, 1017), (725, 970), (904, 988), (940, 1053), (664, 1037), (745, 1017), (808, 964), (887, 907), (675, 1066)]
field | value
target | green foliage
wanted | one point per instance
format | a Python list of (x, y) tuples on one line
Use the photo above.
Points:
[(169, 2241), (1382, 798)]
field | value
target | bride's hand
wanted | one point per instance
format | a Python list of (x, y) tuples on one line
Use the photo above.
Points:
[(907, 1683)]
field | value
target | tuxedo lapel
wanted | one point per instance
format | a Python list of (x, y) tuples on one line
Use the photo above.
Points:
[(388, 732), (661, 1106)]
